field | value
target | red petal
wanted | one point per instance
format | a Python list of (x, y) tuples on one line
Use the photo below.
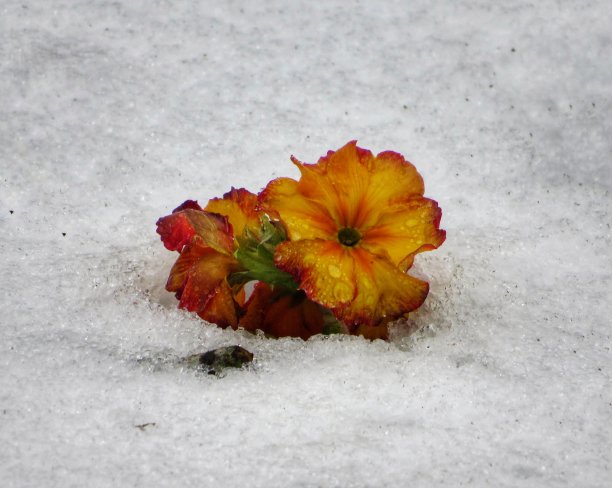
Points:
[(177, 229), (199, 280), (256, 307), (193, 204), (282, 313), (292, 314)]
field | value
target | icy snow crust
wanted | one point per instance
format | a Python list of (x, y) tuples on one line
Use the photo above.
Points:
[(112, 113)]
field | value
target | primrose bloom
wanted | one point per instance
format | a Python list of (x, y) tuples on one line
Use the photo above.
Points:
[(209, 275), (205, 240), (354, 223)]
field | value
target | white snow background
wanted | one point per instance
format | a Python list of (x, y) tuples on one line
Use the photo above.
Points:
[(113, 113)]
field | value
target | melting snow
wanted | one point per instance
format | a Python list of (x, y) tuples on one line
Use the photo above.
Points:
[(111, 114)]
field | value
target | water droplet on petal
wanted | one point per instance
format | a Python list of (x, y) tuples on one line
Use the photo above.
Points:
[(334, 271), (342, 292)]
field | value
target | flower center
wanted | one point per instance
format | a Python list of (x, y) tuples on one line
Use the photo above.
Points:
[(349, 236)]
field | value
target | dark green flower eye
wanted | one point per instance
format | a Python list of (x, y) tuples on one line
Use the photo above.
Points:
[(348, 236)]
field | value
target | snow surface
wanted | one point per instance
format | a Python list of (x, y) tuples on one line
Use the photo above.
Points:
[(112, 113)]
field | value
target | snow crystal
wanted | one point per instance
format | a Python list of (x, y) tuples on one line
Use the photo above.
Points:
[(113, 113)]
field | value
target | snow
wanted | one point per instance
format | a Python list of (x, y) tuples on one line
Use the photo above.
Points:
[(113, 113)]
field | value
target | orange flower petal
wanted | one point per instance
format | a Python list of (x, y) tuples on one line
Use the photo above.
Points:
[(178, 228), (339, 182), (354, 185), (239, 206), (303, 217), (346, 188), (372, 332), (404, 230), (292, 314), (221, 308), (384, 292), (359, 287), (255, 307), (393, 179), (282, 313), (199, 280), (323, 269)]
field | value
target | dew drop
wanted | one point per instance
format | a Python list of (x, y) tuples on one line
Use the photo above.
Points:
[(334, 271), (342, 292)]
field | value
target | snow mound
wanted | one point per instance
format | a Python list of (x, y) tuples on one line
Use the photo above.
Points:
[(111, 114)]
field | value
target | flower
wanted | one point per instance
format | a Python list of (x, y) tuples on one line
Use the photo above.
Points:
[(328, 253), (206, 242), (239, 206), (224, 246), (283, 313), (354, 223)]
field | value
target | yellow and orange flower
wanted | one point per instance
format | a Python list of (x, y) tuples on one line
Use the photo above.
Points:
[(327, 253), (206, 242), (354, 222)]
